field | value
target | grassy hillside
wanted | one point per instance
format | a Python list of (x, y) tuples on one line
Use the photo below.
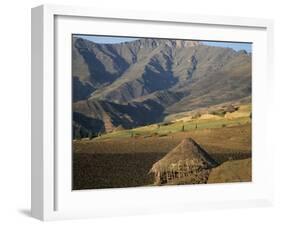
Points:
[(204, 121)]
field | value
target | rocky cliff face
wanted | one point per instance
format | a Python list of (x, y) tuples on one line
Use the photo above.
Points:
[(155, 76)]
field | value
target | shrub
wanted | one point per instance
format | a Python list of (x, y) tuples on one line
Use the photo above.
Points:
[(92, 135), (78, 136), (230, 108), (163, 135), (219, 112), (196, 115), (154, 134), (166, 123)]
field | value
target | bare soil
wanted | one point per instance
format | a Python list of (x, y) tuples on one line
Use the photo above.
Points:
[(115, 163)]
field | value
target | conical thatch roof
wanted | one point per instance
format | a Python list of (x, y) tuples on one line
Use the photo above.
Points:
[(188, 153)]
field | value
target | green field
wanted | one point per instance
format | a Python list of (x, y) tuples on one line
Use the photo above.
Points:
[(174, 127)]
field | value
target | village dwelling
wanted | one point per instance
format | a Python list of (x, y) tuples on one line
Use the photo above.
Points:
[(187, 163)]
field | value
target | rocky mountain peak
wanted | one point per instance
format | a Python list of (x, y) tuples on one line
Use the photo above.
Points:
[(185, 43), (155, 42)]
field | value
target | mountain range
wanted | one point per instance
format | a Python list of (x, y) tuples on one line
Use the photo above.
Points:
[(140, 82)]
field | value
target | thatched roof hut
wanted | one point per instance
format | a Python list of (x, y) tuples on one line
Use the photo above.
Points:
[(186, 163)]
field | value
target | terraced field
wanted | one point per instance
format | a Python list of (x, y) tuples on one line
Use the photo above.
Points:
[(120, 159)]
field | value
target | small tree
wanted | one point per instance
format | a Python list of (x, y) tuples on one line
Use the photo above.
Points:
[(91, 135), (196, 115), (230, 108), (219, 112), (78, 135)]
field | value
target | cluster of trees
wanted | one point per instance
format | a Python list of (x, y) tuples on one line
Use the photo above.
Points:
[(79, 134), (164, 124), (222, 111), (196, 115)]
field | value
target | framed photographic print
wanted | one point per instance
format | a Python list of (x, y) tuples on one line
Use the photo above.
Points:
[(138, 112)]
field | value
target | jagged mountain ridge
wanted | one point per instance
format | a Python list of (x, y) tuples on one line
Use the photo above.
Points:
[(171, 75)]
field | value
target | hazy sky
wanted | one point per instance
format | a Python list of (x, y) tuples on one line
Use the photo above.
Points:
[(234, 45), (108, 39)]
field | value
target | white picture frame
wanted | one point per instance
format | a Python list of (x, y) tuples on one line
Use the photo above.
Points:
[(52, 197)]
